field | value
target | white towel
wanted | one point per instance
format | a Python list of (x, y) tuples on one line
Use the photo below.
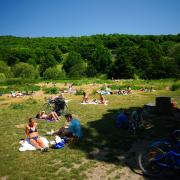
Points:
[(26, 146), (96, 103)]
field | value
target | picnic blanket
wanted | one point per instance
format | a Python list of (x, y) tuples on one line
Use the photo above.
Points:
[(96, 103), (26, 146), (49, 120)]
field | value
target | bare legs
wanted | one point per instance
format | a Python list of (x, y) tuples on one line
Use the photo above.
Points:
[(38, 144), (53, 115)]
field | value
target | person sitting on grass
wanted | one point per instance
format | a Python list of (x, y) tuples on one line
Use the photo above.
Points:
[(52, 116), (72, 128), (85, 98), (101, 99), (129, 90), (32, 135), (122, 120)]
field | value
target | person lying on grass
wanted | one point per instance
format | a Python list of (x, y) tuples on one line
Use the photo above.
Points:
[(32, 135), (72, 130), (52, 116)]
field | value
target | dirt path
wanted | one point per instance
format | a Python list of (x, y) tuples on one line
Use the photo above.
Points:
[(126, 170)]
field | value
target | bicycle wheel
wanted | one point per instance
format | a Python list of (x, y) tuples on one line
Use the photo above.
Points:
[(48, 107), (147, 162)]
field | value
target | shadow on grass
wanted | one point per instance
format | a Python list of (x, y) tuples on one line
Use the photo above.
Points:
[(102, 141)]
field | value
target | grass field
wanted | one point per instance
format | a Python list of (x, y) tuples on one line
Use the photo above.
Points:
[(104, 152)]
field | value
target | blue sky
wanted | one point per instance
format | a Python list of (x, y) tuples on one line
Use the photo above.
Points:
[(37, 18)]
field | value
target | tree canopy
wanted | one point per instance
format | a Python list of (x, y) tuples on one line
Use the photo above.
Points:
[(115, 55)]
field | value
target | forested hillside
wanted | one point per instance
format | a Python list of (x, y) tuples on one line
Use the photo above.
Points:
[(114, 55)]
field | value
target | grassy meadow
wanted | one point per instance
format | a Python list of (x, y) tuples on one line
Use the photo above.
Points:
[(104, 152)]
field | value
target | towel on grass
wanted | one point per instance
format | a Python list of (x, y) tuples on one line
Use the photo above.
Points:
[(96, 103), (26, 146)]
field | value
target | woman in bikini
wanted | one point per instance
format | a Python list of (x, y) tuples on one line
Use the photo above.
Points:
[(32, 134)]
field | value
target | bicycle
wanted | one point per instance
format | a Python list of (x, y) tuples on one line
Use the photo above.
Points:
[(161, 156), (49, 105), (136, 121), (58, 105)]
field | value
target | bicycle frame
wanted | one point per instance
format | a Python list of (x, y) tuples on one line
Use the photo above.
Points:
[(172, 155)]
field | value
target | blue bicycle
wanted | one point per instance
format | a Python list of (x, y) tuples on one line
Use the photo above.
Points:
[(161, 156)]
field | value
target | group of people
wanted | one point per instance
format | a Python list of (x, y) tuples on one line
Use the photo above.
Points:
[(101, 99), (16, 94), (69, 90), (72, 129), (145, 89), (59, 106), (20, 94)]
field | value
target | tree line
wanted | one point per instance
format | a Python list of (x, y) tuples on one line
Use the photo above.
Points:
[(110, 56)]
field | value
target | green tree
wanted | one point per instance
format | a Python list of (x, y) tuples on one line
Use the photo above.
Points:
[(174, 52), (47, 62), (122, 67), (170, 68), (143, 64), (54, 73), (101, 59), (32, 61), (58, 55), (5, 69), (78, 70), (25, 70), (74, 65), (2, 77), (91, 70)]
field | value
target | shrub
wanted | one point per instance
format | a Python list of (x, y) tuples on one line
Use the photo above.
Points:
[(54, 73), (2, 77), (25, 70), (51, 90), (175, 87), (5, 69), (3, 91)]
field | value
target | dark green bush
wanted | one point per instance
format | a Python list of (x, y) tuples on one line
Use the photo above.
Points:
[(175, 87), (4, 91), (51, 90)]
